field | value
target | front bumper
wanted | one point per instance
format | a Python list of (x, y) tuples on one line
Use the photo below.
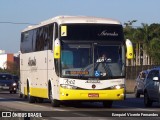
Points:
[(8, 88), (92, 95)]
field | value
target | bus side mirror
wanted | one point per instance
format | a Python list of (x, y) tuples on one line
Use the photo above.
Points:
[(57, 48), (129, 47)]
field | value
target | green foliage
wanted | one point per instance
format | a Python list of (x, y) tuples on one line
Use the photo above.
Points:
[(148, 36), (155, 50)]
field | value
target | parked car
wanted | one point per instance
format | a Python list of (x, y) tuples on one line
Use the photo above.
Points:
[(152, 87), (7, 83), (139, 86)]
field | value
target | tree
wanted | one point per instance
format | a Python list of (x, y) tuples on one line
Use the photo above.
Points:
[(154, 45), (155, 50), (145, 38), (129, 30)]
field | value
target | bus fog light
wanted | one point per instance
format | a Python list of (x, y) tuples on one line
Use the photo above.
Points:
[(63, 94)]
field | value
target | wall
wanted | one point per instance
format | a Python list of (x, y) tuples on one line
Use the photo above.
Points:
[(3, 59)]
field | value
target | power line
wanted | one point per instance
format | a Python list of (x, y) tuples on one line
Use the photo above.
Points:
[(24, 23)]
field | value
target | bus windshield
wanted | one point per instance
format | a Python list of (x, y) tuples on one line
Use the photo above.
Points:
[(92, 60)]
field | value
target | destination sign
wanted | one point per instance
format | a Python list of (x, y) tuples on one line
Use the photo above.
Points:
[(77, 72)]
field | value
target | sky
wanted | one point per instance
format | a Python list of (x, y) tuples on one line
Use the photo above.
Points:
[(35, 11)]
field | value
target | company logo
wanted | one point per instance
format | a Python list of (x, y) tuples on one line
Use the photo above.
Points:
[(32, 62), (105, 33)]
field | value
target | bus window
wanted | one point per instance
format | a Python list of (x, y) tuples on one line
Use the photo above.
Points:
[(67, 59)]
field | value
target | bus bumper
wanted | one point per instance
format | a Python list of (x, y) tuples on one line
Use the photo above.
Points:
[(92, 95)]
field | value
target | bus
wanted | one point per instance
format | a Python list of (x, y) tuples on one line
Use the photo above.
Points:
[(73, 58)]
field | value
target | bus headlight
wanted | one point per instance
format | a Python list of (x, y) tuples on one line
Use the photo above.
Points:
[(68, 86), (118, 86)]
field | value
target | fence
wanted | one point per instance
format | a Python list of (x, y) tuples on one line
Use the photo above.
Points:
[(133, 71)]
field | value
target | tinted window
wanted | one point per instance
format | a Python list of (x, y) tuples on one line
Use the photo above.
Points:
[(37, 39), (153, 73), (91, 32), (5, 77)]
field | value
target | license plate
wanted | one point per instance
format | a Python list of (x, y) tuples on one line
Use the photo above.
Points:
[(93, 95), (5, 87)]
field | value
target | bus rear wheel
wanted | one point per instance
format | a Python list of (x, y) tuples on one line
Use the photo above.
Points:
[(107, 103), (31, 99)]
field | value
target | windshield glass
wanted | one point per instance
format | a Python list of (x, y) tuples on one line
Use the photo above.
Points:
[(5, 77), (92, 60)]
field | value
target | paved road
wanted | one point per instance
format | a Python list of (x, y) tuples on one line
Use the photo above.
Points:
[(11, 102)]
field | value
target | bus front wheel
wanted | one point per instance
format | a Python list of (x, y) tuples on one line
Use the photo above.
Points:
[(54, 102)]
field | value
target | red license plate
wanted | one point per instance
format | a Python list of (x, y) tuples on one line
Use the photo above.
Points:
[(93, 94)]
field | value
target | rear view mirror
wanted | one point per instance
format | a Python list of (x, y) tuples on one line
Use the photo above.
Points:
[(57, 48), (129, 47), (155, 78)]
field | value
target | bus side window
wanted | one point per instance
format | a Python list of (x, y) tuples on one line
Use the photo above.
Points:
[(50, 37)]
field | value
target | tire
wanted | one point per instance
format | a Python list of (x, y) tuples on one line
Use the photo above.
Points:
[(137, 94), (147, 101), (15, 92), (54, 102), (107, 104), (20, 95), (30, 98), (25, 96)]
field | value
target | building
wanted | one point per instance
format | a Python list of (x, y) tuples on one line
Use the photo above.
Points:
[(6, 60)]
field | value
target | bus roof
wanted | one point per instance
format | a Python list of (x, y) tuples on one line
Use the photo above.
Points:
[(74, 19)]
